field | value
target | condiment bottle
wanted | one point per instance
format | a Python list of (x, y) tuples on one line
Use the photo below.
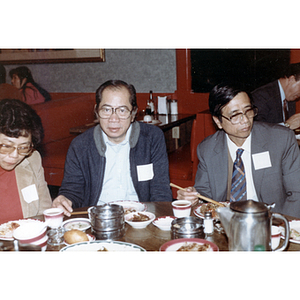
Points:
[(148, 108), (151, 103), (208, 223)]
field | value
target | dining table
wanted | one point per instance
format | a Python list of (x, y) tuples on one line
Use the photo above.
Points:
[(152, 238)]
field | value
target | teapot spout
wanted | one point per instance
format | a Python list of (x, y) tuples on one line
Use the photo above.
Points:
[(225, 215)]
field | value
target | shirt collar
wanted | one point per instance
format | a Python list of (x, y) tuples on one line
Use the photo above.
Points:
[(126, 140), (233, 147)]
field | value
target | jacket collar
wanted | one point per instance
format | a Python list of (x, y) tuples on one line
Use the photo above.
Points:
[(99, 141)]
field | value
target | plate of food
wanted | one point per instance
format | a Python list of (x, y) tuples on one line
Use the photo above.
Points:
[(77, 223), (201, 209), (189, 245), (69, 240), (294, 231), (103, 246), (131, 206), (7, 229)]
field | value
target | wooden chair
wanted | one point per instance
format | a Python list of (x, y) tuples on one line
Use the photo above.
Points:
[(183, 162)]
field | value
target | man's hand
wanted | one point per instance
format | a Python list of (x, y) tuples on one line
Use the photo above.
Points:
[(190, 194), (64, 203), (294, 121)]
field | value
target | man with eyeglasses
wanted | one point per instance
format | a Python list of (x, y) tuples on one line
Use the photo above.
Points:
[(119, 159), (244, 159)]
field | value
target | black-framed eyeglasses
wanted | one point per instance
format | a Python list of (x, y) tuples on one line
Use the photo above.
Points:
[(122, 112), (237, 118), (22, 150)]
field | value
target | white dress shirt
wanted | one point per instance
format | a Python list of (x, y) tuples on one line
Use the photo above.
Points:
[(247, 161), (117, 182)]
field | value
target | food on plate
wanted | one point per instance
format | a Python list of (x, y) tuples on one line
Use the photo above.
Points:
[(8, 228), (195, 247), (102, 249), (128, 210), (294, 234), (139, 218), (76, 225), (209, 207), (75, 236)]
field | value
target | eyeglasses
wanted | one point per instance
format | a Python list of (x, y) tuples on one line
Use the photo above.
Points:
[(23, 150), (122, 112), (237, 118)]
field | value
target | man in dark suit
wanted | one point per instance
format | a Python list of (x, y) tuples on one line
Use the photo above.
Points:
[(270, 155), (269, 99)]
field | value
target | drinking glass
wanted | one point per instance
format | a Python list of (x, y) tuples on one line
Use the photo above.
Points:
[(54, 218)]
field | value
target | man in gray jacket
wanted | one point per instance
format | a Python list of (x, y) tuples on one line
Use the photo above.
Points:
[(270, 156), (119, 159)]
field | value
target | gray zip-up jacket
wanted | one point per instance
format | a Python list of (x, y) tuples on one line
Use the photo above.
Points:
[(85, 166)]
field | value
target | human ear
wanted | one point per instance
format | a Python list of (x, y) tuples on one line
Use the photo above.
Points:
[(133, 114), (218, 123)]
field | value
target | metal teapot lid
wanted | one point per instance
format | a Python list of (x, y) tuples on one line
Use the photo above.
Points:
[(249, 206)]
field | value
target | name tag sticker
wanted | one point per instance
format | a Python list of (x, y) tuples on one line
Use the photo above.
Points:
[(261, 160), (30, 193), (145, 172)]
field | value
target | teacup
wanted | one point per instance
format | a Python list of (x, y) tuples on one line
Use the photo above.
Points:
[(275, 237), (181, 208), (54, 217)]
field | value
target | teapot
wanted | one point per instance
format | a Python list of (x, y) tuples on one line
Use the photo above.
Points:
[(248, 224)]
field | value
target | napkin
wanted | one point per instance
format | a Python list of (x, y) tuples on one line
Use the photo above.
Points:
[(162, 105)]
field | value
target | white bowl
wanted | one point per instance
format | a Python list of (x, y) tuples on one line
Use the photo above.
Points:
[(142, 224), (163, 223), (32, 233), (78, 223)]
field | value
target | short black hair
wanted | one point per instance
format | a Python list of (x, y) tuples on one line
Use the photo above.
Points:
[(19, 119), (222, 94), (116, 84)]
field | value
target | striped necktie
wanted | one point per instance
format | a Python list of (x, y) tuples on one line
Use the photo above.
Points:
[(238, 183)]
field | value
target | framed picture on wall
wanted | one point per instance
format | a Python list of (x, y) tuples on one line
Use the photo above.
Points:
[(35, 56)]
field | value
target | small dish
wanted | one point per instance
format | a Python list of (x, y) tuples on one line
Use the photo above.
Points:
[(139, 224), (163, 223), (79, 223)]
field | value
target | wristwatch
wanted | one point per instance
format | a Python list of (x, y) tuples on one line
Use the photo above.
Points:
[(287, 125)]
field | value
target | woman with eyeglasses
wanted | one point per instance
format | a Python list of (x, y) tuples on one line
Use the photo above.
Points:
[(23, 189)]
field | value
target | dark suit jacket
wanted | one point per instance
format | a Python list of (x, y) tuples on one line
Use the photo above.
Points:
[(268, 100), (279, 183)]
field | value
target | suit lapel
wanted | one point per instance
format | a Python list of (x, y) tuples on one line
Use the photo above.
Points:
[(24, 177), (220, 165), (258, 145)]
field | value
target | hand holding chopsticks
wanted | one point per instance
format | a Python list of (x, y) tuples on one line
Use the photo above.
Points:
[(198, 195)]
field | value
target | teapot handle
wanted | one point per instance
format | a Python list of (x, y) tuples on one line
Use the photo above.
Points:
[(287, 231)]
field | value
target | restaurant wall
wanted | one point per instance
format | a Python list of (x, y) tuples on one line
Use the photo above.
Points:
[(146, 69)]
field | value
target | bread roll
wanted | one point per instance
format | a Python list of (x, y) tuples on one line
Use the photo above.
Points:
[(75, 236)]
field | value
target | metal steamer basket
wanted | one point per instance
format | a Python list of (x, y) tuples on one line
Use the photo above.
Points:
[(187, 227), (107, 221)]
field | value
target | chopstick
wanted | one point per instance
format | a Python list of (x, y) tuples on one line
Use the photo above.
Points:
[(198, 195), (78, 213)]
